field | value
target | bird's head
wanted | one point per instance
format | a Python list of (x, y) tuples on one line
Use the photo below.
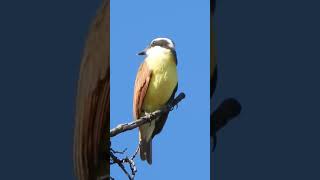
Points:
[(159, 44)]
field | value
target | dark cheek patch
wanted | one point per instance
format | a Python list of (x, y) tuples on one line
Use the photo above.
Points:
[(161, 43), (164, 44)]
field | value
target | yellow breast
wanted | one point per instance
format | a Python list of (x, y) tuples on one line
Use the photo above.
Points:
[(163, 82)]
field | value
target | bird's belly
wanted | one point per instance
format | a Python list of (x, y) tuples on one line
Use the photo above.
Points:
[(161, 87)]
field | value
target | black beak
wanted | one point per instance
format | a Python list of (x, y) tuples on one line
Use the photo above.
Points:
[(143, 52)]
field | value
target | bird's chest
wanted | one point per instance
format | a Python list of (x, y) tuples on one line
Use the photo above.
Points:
[(161, 86)]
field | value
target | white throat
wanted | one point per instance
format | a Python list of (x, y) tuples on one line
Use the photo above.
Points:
[(159, 57), (157, 51)]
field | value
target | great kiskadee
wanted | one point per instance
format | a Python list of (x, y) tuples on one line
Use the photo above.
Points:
[(155, 85)]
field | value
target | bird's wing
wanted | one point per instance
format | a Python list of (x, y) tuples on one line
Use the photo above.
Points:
[(140, 88)]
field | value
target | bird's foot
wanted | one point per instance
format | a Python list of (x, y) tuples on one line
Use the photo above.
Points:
[(149, 117)]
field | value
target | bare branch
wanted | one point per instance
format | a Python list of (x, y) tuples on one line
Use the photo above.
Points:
[(148, 118), (154, 116), (121, 162)]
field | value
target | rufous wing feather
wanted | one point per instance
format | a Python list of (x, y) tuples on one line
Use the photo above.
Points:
[(140, 90)]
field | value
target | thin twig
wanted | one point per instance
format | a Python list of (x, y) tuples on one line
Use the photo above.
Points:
[(115, 160), (120, 164)]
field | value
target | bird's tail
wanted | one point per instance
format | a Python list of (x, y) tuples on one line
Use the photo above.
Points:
[(146, 151)]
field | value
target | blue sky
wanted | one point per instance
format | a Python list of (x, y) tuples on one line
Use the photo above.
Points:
[(181, 151)]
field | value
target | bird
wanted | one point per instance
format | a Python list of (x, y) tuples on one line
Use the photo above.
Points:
[(155, 86)]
